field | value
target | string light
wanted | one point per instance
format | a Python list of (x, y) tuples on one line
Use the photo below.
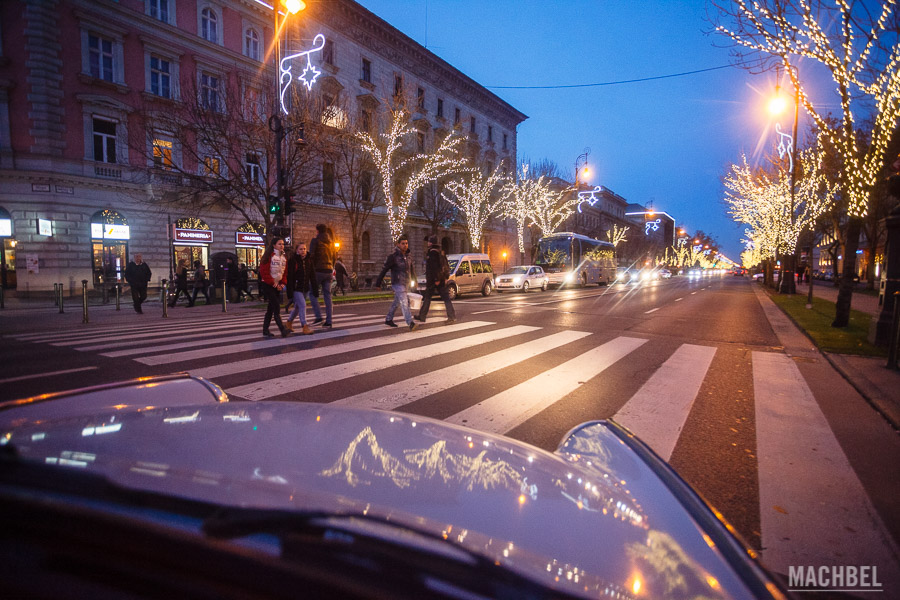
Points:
[(310, 72), (478, 198), (616, 235)]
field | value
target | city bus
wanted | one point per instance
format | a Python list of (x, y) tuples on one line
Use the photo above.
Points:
[(570, 258)]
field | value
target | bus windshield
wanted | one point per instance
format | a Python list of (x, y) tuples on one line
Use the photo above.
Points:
[(554, 255)]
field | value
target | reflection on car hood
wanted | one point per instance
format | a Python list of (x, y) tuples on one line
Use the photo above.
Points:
[(591, 519)]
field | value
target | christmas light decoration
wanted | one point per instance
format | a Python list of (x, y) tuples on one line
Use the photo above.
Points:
[(310, 72), (616, 235), (864, 65), (589, 196), (517, 198), (652, 226), (478, 198)]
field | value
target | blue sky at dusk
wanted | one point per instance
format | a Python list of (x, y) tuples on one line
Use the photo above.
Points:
[(666, 141)]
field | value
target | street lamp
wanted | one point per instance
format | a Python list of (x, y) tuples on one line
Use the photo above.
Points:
[(503, 254), (582, 158)]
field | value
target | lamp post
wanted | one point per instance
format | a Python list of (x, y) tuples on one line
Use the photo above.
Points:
[(292, 7), (582, 159), (777, 106)]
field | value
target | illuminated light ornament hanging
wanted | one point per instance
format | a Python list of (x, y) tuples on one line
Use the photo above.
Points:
[(654, 225), (310, 72), (589, 196), (785, 146)]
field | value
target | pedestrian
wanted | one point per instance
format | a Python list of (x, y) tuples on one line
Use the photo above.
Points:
[(181, 273), (200, 282), (232, 279), (244, 282), (321, 248), (341, 274), (301, 279), (138, 274), (399, 265), (272, 279), (437, 270)]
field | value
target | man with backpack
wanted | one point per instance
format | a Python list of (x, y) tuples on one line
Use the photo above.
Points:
[(321, 248), (437, 272)]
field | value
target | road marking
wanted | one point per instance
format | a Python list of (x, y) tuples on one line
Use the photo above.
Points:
[(409, 390), (261, 390), (651, 310), (678, 299), (50, 374), (692, 293), (658, 411), (506, 410), (800, 464), (263, 362)]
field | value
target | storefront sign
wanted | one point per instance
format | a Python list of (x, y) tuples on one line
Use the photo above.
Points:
[(5, 227), (203, 236), (243, 238), (110, 231), (45, 227)]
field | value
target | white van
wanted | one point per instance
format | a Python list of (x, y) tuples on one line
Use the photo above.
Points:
[(468, 273)]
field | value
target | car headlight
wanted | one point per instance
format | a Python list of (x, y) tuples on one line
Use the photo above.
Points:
[(569, 278)]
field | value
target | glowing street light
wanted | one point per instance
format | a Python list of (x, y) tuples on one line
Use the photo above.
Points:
[(293, 6)]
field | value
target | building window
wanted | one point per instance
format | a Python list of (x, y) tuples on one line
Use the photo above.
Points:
[(440, 108), (457, 116), (398, 86), (209, 92), (366, 187), (504, 141), (366, 120), (251, 44), (366, 252), (472, 124), (160, 77), (211, 165), (159, 9), (101, 57), (328, 52), (209, 25), (490, 133), (328, 182), (251, 168), (420, 141), (104, 140), (420, 99), (366, 74), (162, 154)]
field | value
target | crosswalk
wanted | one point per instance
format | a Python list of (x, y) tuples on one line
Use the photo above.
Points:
[(500, 377)]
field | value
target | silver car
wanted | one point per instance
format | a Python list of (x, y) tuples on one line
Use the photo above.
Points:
[(524, 278)]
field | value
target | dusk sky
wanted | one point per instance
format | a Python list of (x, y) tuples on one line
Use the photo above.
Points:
[(667, 141)]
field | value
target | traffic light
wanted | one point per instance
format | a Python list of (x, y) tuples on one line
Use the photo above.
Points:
[(288, 204), (274, 206)]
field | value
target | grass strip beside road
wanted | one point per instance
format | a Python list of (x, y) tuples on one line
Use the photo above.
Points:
[(816, 322)]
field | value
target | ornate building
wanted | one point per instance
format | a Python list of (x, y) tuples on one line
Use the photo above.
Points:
[(85, 183)]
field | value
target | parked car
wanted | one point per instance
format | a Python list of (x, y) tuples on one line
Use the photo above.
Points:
[(758, 276), (468, 273), (524, 277), (175, 492)]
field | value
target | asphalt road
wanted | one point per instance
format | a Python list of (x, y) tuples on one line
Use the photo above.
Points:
[(680, 362)]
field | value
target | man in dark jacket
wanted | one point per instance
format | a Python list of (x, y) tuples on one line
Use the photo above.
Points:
[(138, 274), (400, 266), (435, 282), (321, 248)]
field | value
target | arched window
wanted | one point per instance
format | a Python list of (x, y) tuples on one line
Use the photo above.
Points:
[(209, 25), (251, 44), (366, 246)]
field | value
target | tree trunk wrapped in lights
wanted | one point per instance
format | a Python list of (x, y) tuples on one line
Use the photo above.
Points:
[(616, 235), (478, 197)]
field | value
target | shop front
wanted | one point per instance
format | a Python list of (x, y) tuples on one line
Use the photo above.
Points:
[(7, 250), (110, 235), (191, 239), (250, 244)]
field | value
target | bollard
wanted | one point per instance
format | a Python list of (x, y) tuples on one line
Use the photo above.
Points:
[(55, 294), (894, 348), (118, 294), (164, 295), (59, 300), (84, 316), (224, 297)]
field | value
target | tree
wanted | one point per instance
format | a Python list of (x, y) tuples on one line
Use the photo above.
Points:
[(616, 235), (860, 51), (401, 172), (478, 197), (214, 150), (519, 195)]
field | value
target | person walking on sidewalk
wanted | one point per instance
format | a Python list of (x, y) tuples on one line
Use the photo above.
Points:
[(138, 274), (340, 272), (322, 250), (301, 280), (400, 266), (244, 283), (272, 279), (181, 274), (200, 282), (436, 273)]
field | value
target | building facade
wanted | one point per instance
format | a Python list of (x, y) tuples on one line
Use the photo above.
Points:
[(85, 184)]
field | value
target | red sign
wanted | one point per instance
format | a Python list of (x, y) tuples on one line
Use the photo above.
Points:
[(202, 236), (249, 239)]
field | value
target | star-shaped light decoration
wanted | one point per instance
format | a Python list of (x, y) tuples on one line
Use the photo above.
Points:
[(589, 197), (309, 75)]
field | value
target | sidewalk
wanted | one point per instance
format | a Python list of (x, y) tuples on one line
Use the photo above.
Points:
[(870, 377)]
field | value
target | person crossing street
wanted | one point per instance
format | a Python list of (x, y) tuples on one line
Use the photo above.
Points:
[(400, 267), (138, 274), (436, 281)]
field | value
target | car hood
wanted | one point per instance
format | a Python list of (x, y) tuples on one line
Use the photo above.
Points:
[(593, 518)]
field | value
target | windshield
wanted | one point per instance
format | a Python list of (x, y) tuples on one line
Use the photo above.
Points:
[(554, 255), (453, 262), (517, 271)]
